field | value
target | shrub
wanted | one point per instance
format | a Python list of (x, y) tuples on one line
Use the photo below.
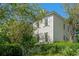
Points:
[(27, 45), (10, 50), (57, 48), (68, 51)]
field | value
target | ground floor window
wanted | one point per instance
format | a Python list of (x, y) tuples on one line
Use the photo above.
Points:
[(46, 37), (38, 37)]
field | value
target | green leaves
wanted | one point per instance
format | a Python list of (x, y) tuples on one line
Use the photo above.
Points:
[(18, 19), (21, 12), (16, 24), (10, 50), (57, 49)]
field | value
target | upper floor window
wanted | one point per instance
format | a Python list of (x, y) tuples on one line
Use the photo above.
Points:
[(46, 21)]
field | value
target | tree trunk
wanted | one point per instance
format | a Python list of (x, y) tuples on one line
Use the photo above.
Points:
[(71, 33)]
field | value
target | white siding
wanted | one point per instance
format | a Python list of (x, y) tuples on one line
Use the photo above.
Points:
[(55, 28), (58, 28), (46, 29)]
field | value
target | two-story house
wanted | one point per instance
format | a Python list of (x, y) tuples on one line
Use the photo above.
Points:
[(50, 29)]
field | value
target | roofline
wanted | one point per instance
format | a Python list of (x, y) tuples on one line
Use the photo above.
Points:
[(51, 13)]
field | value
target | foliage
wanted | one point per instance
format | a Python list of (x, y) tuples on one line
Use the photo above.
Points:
[(27, 45), (72, 10), (16, 30), (77, 36), (28, 12), (17, 21), (57, 48), (16, 24), (8, 49)]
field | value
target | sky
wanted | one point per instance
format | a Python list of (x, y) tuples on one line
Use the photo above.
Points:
[(57, 7)]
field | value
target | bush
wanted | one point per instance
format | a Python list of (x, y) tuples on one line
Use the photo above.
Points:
[(57, 48), (68, 51), (28, 48), (27, 45), (10, 50)]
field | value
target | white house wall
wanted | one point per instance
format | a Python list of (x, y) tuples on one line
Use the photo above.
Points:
[(58, 28), (43, 29), (55, 28)]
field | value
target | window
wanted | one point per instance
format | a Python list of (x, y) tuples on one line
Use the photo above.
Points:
[(64, 37), (68, 28), (46, 37), (38, 24), (64, 26), (46, 22), (38, 37)]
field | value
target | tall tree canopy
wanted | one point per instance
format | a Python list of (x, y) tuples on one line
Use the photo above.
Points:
[(73, 11), (16, 20), (21, 12)]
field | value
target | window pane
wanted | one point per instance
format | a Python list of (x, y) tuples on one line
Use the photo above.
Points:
[(46, 22), (38, 37), (64, 26), (46, 37), (38, 24)]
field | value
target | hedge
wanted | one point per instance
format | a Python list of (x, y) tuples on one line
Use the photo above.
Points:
[(10, 50), (50, 49), (56, 49)]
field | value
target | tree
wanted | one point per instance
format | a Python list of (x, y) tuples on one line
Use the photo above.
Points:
[(22, 12), (16, 30), (73, 12), (13, 14), (16, 23)]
